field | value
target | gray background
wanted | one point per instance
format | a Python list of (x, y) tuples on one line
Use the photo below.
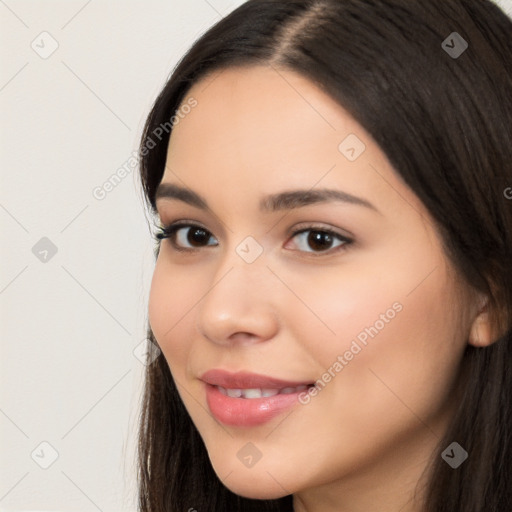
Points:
[(73, 321)]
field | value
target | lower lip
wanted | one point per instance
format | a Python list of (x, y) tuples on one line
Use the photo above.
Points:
[(247, 412)]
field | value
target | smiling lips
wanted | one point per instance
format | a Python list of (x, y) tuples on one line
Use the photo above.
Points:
[(247, 399)]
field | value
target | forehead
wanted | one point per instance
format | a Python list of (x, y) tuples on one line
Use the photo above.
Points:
[(264, 105), (264, 117), (261, 129)]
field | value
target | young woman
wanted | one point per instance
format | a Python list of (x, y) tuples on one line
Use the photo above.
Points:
[(332, 294)]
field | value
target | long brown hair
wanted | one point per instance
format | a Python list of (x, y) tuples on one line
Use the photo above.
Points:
[(445, 123)]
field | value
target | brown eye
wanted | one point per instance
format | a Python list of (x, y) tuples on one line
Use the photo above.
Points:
[(186, 236), (319, 240), (196, 236)]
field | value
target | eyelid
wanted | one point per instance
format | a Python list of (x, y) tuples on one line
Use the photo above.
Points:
[(168, 230), (294, 230), (346, 241), (180, 223), (319, 226)]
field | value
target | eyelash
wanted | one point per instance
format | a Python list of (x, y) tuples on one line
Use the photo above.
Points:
[(170, 230)]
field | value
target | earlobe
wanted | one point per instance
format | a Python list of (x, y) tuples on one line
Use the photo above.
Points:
[(480, 334)]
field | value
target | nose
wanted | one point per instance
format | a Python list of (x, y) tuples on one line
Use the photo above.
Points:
[(240, 307)]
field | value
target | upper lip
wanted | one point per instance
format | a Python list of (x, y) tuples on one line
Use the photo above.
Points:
[(247, 380)]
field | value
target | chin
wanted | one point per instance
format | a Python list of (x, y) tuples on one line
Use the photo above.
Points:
[(251, 483), (269, 490)]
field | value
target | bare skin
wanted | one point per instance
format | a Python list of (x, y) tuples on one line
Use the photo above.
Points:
[(362, 443)]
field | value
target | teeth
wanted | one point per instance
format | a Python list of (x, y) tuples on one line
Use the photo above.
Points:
[(251, 393), (259, 393)]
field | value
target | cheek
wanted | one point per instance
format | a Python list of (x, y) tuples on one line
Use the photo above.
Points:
[(400, 354), (171, 297), (387, 340), (160, 306), (340, 312)]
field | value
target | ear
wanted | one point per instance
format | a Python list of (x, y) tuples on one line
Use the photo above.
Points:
[(480, 334)]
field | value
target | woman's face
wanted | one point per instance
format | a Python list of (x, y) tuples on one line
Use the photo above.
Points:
[(372, 312)]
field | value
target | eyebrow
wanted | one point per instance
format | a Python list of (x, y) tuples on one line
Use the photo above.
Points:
[(287, 200)]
